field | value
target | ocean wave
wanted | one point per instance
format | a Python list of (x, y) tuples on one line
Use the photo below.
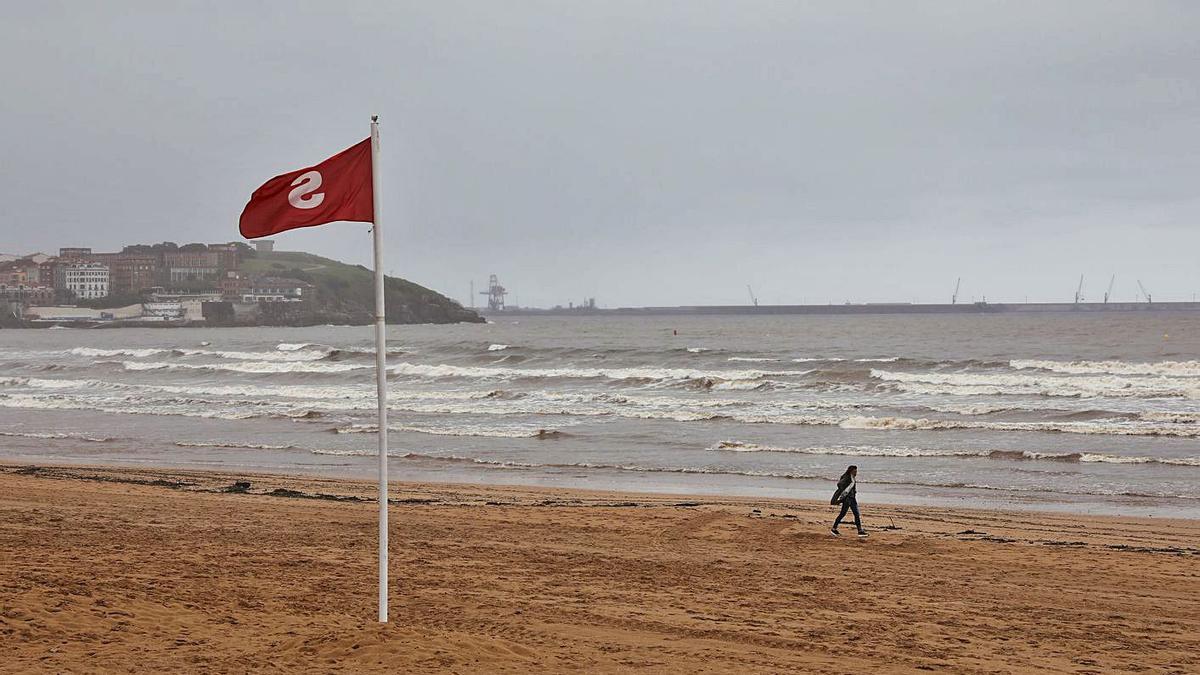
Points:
[(41, 383), (508, 464), (277, 356), (253, 367), (1089, 427), (497, 348), (978, 408), (128, 407), (459, 430), (647, 374), (55, 435), (286, 355), (297, 346), (839, 359), (108, 353), (248, 446), (295, 401), (1162, 368), (1010, 455), (331, 351), (1173, 417), (846, 450), (1008, 384)]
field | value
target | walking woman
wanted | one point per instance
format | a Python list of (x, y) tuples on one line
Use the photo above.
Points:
[(847, 496)]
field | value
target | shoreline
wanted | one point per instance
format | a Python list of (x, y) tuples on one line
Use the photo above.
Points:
[(360, 490), (165, 570), (699, 485)]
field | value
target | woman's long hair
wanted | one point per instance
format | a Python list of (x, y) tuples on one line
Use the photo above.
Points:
[(846, 474)]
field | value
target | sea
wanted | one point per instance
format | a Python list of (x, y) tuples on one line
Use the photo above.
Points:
[(1095, 413)]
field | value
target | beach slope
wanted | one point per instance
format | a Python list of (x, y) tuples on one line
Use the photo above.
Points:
[(118, 570)]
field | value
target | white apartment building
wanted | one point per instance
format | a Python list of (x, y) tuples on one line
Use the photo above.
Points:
[(87, 280)]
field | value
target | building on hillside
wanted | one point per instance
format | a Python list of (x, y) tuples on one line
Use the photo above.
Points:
[(33, 272), (27, 295), (265, 245), (13, 273), (87, 281), (191, 267), (234, 284), (48, 272), (198, 267), (76, 253), (24, 271), (131, 272), (278, 289), (227, 255), (21, 282)]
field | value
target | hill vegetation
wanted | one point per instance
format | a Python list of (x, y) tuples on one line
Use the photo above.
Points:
[(346, 293)]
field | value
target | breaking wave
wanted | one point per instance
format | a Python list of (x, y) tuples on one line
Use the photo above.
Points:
[(459, 430), (135, 353), (1163, 368), (1010, 455), (285, 355), (1009, 384), (56, 435), (1090, 427), (647, 374), (255, 367), (248, 446)]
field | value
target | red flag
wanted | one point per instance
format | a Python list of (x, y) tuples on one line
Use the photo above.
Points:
[(337, 189)]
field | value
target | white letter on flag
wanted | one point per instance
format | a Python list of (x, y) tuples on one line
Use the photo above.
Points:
[(306, 183)]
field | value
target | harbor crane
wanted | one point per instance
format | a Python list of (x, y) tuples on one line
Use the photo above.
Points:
[(1109, 291), (1146, 293), (495, 294), (957, 285), (1079, 291), (753, 300)]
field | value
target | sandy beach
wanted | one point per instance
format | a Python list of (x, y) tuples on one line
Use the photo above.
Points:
[(113, 570)]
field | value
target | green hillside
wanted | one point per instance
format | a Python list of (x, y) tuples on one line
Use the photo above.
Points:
[(346, 293)]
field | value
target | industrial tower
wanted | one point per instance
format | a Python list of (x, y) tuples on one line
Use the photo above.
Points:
[(495, 294)]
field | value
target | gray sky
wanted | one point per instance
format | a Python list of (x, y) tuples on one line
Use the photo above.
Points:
[(641, 152)]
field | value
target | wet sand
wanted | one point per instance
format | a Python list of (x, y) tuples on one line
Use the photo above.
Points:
[(106, 570)]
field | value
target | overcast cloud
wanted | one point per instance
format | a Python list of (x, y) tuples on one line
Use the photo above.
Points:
[(641, 152)]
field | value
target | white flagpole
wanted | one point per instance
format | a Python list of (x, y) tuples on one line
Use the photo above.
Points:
[(380, 376)]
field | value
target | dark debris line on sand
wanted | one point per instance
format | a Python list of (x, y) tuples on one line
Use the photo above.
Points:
[(45, 472)]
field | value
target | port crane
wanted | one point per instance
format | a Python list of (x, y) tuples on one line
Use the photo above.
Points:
[(495, 294), (1145, 292), (957, 285), (753, 300), (1109, 291), (1079, 291)]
